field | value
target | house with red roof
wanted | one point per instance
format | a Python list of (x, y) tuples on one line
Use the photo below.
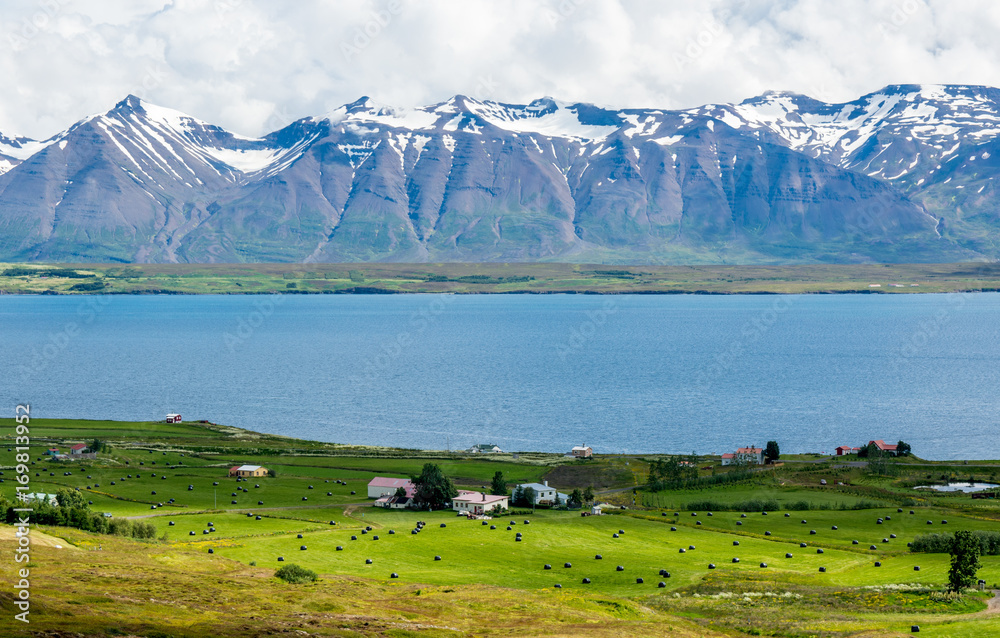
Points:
[(883, 446), (477, 503), (844, 450), (381, 486), (78, 448), (728, 458)]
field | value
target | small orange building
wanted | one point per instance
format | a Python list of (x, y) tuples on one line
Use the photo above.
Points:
[(247, 471)]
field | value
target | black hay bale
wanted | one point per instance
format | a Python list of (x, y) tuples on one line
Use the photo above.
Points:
[(911, 512), (767, 533), (190, 533), (211, 551), (822, 570), (353, 492), (878, 521), (698, 523), (711, 565), (709, 513), (305, 498), (299, 536), (788, 515), (391, 532), (736, 543), (899, 510), (517, 539), (873, 547), (621, 531), (329, 493), (673, 529), (444, 525), (557, 586), (812, 532), (788, 555), (233, 502), (736, 560), (739, 522), (803, 545), (260, 502), (375, 537), (310, 487), (281, 559), (878, 564), (944, 522), (819, 551), (763, 565), (662, 584), (393, 575), (834, 528), (586, 581), (340, 548), (892, 536), (690, 546), (527, 522), (598, 557), (638, 581), (885, 540), (916, 568), (508, 528), (154, 493), (437, 558), (681, 551), (485, 523), (547, 567), (257, 518), (171, 523), (620, 568), (302, 548), (614, 536), (493, 526), (368, 561), (915, 629), (354, 538), (413, 531), (567, 565), (364, 531), (804, 521), (854, 542)]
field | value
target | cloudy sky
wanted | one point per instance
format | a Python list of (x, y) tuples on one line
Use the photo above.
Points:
[(254, 65)]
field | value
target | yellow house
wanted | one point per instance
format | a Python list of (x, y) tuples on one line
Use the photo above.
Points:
[(247, 471)]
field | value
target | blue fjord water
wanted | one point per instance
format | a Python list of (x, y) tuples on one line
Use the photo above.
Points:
[(619, 373)]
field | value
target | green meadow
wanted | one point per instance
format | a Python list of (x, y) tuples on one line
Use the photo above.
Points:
[(838, 565)]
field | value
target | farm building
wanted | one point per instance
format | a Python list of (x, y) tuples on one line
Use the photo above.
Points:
[(883, 446), (173, 418), (478, 503), (394, 502), (728, 458), (747, 456), (246, 471), (544, 495), (39, 497), (51, 452), (485, 448), (78, 449), (844, 450), (381, 486), (582, 452)]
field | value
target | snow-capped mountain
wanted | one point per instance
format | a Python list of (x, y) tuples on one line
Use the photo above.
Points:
[(780, 177)]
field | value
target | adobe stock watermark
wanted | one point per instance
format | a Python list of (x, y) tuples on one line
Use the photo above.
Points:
[(22, 553), (563, 10), (420, 321), (709, 33), (378, 21), (248, 323), (581, 334), (39, 21), (752, 332), (41, 358), (900, 16)]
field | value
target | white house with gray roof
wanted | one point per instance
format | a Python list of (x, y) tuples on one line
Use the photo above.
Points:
[(544, 495)]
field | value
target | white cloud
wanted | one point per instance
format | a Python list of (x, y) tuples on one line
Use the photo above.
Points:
[(253, 65)]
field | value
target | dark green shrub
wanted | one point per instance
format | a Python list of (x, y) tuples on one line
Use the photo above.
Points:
[(295, 574)]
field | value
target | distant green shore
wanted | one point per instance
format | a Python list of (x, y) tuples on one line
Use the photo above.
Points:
[(516, 278)]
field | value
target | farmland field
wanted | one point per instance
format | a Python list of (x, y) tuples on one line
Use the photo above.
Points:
[(816, 578)]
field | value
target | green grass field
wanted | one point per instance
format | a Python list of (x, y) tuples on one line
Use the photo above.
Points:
[(495, 278), (483, 569)]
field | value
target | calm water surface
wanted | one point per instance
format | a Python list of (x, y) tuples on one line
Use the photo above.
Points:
[(622, 374)]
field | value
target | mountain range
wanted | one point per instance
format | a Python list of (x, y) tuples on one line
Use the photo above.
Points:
[(905, 174)]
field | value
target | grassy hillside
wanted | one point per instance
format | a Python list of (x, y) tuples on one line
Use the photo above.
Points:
[(491, 278), (486, 582)]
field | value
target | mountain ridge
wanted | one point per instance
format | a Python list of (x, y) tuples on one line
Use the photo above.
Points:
[(777, 178)]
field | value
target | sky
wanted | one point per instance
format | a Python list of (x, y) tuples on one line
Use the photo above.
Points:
[(253, 66)]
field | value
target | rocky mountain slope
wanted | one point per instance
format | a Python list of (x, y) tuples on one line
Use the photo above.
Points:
[(901, 175)]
